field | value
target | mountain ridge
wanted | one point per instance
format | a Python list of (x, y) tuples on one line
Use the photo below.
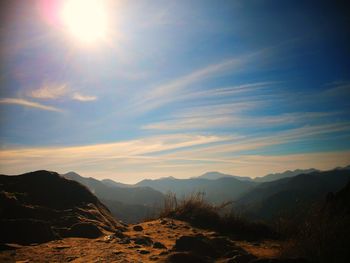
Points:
[(42, 205), (129, 204)]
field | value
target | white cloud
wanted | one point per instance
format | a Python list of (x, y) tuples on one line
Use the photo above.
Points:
[(80, 97), (98, 156), (52, 91), (229, 151), (59, 91), (179, 155), (29, 104)]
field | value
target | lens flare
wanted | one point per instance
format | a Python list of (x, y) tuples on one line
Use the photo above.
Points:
[(86, 20)]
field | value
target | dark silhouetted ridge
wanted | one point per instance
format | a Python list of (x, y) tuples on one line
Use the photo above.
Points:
[(42, 205)]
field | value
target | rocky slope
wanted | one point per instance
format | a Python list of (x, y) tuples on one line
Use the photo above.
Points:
[(161, 240), (41, 206)]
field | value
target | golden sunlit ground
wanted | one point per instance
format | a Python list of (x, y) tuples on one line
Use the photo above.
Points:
[(110, 250)]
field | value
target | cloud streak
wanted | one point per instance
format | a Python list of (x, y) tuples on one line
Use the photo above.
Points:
[(49, 92), (117, 156), (168, 92), (29, 104), (223, 153), (175, 154), (83, 98), (230, 115), (59, 91)]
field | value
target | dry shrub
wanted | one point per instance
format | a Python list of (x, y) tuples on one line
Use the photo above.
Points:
[(322, 238), (198, 212)]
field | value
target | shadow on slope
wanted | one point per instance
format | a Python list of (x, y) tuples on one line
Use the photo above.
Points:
[(289, 196), (324, 236), (42, 206)]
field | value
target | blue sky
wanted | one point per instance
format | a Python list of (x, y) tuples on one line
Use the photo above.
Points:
[(177, 88)]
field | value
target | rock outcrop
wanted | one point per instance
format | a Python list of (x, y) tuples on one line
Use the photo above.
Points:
[(41, 206)]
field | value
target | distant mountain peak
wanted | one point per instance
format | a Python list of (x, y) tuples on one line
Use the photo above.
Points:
[(214, 175), (168, 178), (285, 174), (72, 173)]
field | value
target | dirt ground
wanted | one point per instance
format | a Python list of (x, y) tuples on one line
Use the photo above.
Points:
[(130, 246)]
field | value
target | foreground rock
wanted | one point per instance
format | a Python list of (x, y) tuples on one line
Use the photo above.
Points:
[(41, 206)]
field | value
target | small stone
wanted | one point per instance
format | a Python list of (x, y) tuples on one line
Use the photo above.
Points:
[(143, 252), (108, 238), (143, 240), (138, 228), (119, 234), (61, 247), (125, 240), (159, 245)]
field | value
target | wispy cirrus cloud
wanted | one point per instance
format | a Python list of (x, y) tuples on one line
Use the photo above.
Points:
[(80, 97), (224, 152), (168, 92), (59, 91), (50, 91), (116, 155), (226, 91), (30, 104), (180, 155), (233, 115)]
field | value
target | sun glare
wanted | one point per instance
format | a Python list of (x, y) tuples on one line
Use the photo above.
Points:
[(86, 20)]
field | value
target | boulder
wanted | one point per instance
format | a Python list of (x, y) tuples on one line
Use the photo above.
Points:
[(138, 228), (159, 245), (196, 244), (143, 240)]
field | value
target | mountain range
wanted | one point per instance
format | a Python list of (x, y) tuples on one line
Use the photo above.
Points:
[(288, 196), (262, 198), (48, 209)]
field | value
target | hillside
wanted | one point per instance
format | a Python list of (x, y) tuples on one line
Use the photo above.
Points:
[(286, 174), (293, 194), (130, 204), (68, 223), (42, 206)]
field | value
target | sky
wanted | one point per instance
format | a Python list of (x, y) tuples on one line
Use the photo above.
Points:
[(129, 90)]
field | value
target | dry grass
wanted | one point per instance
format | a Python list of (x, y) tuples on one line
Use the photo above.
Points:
[(320, 238), (198, 212)]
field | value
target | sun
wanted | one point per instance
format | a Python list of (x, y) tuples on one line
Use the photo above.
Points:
[(86, 20)]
